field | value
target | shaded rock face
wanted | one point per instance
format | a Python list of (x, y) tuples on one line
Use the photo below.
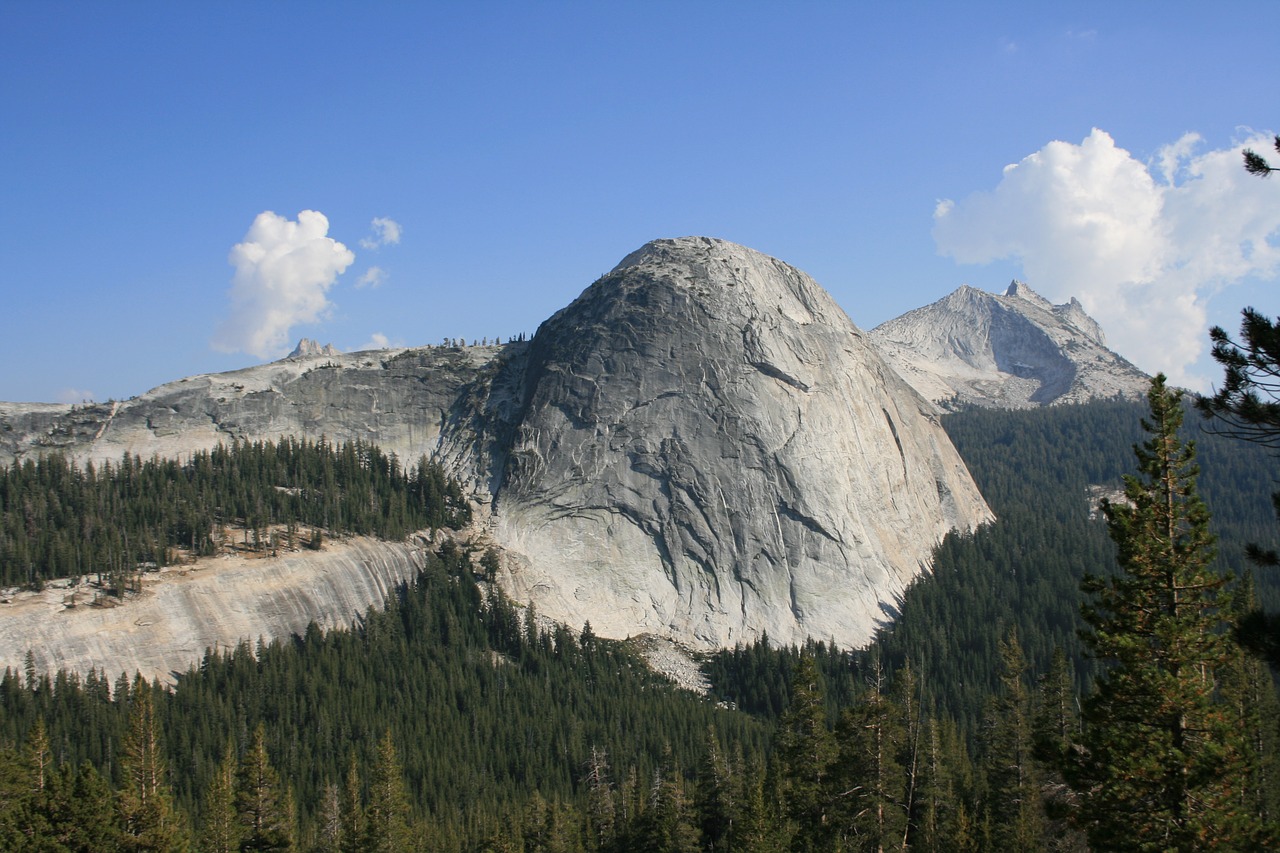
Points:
[(1015, 350), (711, 450), (401, 400)]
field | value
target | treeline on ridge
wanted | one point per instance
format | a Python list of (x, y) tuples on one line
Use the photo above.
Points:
[(59, 520)]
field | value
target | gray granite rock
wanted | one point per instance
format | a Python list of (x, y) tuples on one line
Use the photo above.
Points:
[(1015, 350), (401, 400), (214, 605), (710, 450)]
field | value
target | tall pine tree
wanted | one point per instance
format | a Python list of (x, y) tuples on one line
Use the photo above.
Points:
[(1163, 763), (147, 814), (264, 807)]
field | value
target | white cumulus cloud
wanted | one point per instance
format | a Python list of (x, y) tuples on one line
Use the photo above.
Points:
[(386, 232), (284, 270), (1143, 246)]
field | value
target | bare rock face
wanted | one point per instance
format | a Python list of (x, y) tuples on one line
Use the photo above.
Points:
[(1017, 350), (307, 347), (710, 450), (183, 612)]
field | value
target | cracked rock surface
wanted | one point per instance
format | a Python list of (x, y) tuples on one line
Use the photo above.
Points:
[(710, 450)]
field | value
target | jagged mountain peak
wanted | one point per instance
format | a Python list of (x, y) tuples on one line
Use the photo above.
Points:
[(307, 347), (1015, 350), (1020, 290)]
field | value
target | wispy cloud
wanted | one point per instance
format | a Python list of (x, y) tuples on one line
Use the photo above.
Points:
[(1143, 246), (284, 270), (75, 395), (386, 232), (376, 341), (372, 277)]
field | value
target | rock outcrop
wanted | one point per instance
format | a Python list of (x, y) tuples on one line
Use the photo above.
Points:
[(401, 400), (307, 347), (183, 612), (711, 450), (1015, 350), (701, 447)]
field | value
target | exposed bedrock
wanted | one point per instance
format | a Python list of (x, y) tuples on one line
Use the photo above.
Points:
[(711, 450)]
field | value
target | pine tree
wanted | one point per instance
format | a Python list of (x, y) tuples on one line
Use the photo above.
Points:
[(601, 807), (1163, 762), (262, 805), (148, 818), (350, 811), (870, 779), (805, 752), (1247, 687), (35, 794), (1013, 777), (717, 799), (668, 823), (329, 831), (1055, 728), (941, 823), (761, 830), (387, 817), (219, 828)]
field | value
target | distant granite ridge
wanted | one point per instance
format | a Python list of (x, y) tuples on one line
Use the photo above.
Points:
[(400, 399), (1012, 350)]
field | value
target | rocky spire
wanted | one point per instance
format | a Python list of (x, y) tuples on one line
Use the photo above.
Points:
[(307, 347)]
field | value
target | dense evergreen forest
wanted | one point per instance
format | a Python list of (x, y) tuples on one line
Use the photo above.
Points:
[(483, 706), (453, 720), (58, 520), (1041, 471)]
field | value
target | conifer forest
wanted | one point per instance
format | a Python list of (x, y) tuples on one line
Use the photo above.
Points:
[(1064, 679)]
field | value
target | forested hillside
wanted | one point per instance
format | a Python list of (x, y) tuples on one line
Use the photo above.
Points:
[(484, 709), (1042, 471), (453, 720)]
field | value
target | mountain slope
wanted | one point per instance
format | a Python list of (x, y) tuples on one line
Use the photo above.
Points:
[(1014, 350), (702, 446)]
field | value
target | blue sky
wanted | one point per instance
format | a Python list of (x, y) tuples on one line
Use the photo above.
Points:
[(481, 163)]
